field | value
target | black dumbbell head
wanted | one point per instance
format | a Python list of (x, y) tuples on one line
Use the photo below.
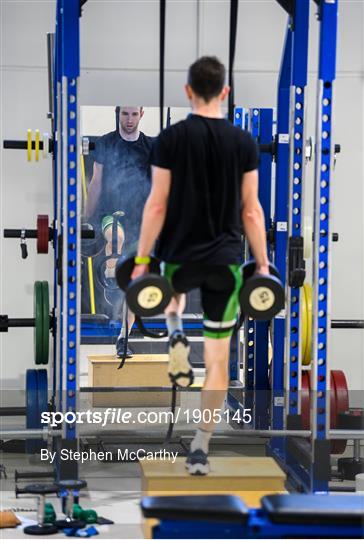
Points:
[(148, 295), (262, 297), (124, 268)]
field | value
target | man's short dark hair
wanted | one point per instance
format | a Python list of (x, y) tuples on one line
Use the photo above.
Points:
[(206, 77)]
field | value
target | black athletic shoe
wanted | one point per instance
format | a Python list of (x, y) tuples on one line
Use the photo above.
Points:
[(197, 463), (179, 368), (120, 346)]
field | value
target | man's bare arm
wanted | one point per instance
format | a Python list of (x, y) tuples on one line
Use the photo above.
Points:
[(155, 210), (94, 190), (253, 221)]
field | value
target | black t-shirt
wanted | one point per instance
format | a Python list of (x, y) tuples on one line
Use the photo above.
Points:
[(207, 158), (126, 179)]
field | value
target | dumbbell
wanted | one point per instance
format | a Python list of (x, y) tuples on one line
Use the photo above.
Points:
[(261, 296), (88, 516), (43, 527), (69, 489), (147, 295)]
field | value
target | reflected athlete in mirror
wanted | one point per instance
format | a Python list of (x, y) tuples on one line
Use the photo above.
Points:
[(120, 183), (204, 188)]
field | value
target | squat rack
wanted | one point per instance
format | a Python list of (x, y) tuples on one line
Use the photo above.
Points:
[(290, 158), (288, 149)]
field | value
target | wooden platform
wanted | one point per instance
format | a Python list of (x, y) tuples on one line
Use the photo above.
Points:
[(248, 477), (141, 370)]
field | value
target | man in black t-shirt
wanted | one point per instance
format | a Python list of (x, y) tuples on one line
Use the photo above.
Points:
[(204, 188), (120, 183)]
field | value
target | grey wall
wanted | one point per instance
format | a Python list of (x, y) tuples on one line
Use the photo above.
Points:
[(119, 56)]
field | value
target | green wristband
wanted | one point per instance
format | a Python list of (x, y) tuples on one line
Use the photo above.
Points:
[(142, 260)]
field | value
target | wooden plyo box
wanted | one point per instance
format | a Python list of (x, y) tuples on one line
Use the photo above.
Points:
[(141, 370), (248, 477)]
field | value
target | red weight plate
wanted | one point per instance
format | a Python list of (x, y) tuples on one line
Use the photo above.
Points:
[(333, 411), (42, 233), (342, 393), (305, 400), (341, 405)]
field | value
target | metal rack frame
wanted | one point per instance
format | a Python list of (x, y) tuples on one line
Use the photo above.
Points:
[(290, 155)]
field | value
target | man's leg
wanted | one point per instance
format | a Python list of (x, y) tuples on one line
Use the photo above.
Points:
[(220, 312), (179, 367), (107, 229), (107, 232), (120, 342), (216, 356)]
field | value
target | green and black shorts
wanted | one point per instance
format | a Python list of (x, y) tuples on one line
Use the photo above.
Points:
[(219, 286)]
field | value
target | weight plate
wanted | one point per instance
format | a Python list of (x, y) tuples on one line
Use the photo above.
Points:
[(38, 317), (305, 400), (333, 411), (307, 290), (342, 405), (31, 399), (42, 380), (342, 393), (148, 295), (42, 233), (262, 297), (46, 321), (332, 397)]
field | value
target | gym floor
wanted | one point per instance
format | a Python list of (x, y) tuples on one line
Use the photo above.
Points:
[(114, 489)]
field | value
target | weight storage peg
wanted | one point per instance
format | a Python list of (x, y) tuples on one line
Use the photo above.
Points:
[(147, 295), (43, 234), (261, 296), (42, 322)]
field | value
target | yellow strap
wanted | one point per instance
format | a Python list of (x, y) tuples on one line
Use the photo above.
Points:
[(37, 145), (90, 269), (91, 285), (29, 145)]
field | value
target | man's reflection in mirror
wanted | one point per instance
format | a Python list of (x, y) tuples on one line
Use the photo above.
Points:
[(120, 184)]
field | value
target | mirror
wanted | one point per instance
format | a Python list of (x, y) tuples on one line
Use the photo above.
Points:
[(116, 180)]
